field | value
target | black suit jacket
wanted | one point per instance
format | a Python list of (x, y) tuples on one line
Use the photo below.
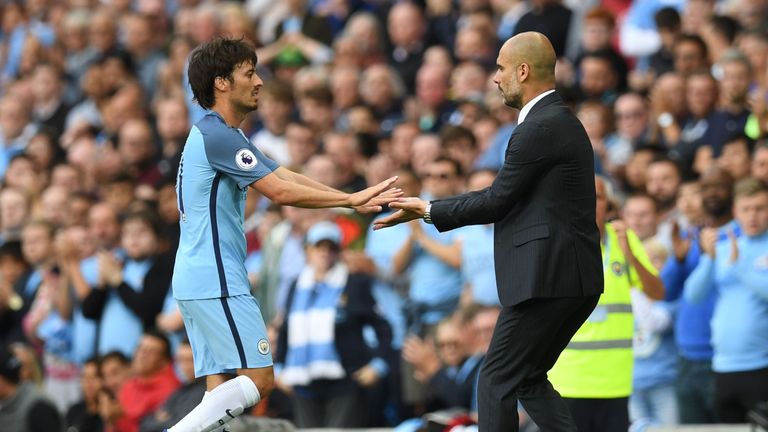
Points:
[(546, 241)]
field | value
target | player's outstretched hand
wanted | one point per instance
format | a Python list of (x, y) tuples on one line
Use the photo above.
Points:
[(372, 199), (408, 209)]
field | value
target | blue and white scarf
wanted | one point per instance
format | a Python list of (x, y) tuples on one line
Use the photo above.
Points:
[(311, 351)]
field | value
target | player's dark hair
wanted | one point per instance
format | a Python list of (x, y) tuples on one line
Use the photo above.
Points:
[(217, 58)]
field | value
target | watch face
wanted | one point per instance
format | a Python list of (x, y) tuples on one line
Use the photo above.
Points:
[(665, 119)]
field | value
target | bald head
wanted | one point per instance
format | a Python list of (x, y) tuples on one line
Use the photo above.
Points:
[(534, 49), (526, 68)]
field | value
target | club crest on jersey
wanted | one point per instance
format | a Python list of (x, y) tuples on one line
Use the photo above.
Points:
[(245, 159), (263, 347), (618, 268)]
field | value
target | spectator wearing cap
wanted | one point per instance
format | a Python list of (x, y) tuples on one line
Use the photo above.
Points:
[(321, 349), (22, 407)]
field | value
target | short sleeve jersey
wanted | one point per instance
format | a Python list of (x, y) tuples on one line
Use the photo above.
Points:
[(217, 166)]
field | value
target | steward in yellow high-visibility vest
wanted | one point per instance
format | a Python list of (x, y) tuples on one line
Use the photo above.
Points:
[(594, 372)]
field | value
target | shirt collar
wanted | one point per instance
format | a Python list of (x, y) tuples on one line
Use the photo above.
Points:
[(527, 108)]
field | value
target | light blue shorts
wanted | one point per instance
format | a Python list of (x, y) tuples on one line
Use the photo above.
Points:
[(226, 334)]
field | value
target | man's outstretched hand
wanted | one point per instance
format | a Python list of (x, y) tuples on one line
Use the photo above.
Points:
[(372, 199), (408, 209)]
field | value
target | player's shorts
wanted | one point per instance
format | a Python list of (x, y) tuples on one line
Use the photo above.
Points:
[(226, 334)]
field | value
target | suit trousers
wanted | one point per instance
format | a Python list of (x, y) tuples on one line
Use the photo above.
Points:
[(526, 343)]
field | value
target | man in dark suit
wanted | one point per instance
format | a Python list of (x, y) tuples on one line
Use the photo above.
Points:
[(547, 245)]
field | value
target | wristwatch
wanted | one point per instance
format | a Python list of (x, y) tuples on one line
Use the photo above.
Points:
[(665, 119), (428, 214)]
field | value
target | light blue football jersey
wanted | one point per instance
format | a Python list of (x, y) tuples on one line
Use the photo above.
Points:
[(217, 166)]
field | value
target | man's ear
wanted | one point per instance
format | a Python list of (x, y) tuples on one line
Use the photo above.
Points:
[(221, 84), (523, 72)]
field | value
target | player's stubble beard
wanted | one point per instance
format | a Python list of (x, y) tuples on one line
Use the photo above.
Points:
[(247, 104)]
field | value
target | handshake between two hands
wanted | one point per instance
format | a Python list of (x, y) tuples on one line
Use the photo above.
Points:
[(374, 199)]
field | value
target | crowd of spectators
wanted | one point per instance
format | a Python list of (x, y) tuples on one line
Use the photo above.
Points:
[(95, 110)]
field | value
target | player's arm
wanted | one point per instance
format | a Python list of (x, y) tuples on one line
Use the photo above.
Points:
[(287, 192), (375, 205), (288, 175), (247, 166)]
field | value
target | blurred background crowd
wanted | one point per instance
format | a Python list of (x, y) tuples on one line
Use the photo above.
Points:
[(95, 109)]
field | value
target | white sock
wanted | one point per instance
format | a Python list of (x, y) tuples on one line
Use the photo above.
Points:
[(220, 428), (221, 405)]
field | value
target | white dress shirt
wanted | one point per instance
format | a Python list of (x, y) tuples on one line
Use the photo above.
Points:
[(527, 108)]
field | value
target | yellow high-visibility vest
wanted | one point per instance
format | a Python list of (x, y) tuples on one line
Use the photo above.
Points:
[(598, 361)]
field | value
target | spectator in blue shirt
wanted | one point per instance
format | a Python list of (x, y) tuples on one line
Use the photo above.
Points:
[(692, 333), (736, 268)]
